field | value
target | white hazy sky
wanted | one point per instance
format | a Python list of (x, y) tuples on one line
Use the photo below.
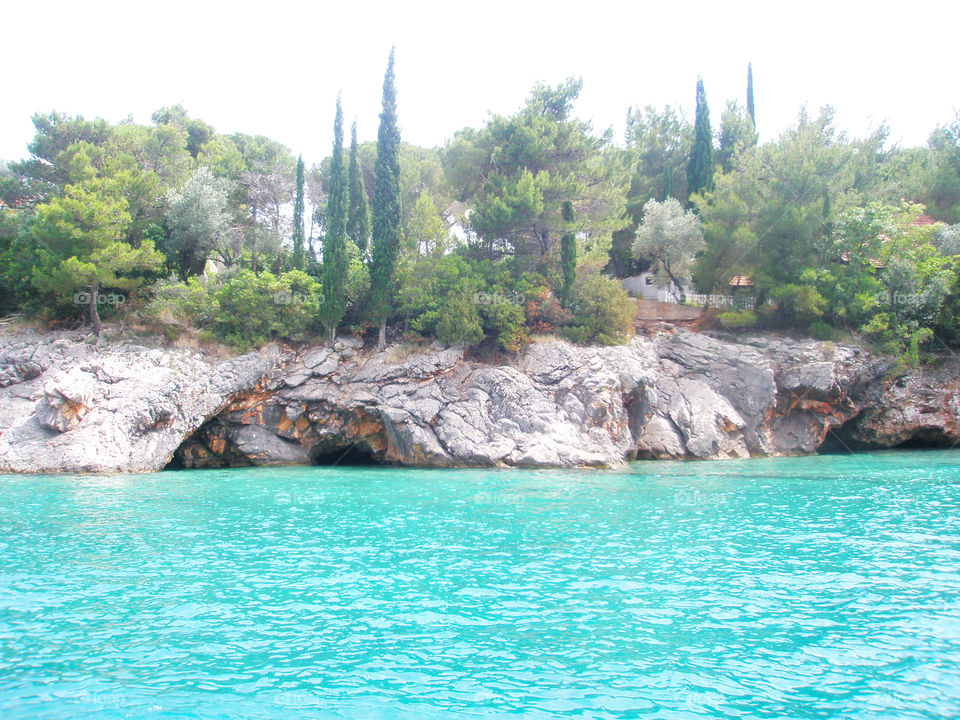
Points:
[(275, 67)]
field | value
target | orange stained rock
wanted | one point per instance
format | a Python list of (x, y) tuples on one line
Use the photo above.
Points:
[(816, 406)]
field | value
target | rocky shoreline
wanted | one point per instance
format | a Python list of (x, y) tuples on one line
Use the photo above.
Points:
[(67, 405)]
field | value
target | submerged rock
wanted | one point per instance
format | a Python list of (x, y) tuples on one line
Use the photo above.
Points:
[(68, 406)]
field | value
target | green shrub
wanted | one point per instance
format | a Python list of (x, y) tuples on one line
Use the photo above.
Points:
[(459, 321), (578, 334), (257, 308), (819, 330), (948, 321), (797, 305), (542, 310), (738, 320), (505, 322), (602, 312), (243, 309), (442, 290), (182, 304)]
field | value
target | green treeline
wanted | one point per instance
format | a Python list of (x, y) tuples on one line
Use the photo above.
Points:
[(520, 227)]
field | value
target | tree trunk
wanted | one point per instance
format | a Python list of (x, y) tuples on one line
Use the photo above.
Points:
[(333, 336), (94, 313), (276, 233), (682, 294), (253, 252), (382, 338)]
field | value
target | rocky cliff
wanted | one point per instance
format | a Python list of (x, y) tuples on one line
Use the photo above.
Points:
[(69, 406)]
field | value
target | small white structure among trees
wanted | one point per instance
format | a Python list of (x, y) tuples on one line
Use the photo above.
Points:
[(669, 237)]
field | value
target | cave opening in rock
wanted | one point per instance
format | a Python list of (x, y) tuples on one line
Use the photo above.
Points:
[(840, 440), (176, 463), (350, 456), (927, 440), (838, 443), (844, 439)]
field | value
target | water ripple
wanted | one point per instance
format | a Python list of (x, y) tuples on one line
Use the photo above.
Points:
[(816, 587)]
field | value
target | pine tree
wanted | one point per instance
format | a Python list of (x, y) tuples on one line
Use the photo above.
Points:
[(386, 208), (700, 167), (83, 234), (335, 258), (299, 259), (750, 110), (568, 256), (358, 221)]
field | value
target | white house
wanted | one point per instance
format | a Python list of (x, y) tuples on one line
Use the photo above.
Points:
[(649, 286)]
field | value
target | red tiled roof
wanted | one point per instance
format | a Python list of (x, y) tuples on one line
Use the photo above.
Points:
[(846, 257), (741, 281), (923, 220)]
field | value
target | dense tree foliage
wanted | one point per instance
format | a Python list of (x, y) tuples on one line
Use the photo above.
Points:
[(198, 222), (299, 259), (335, 256), (568, 256), (736, 133), (658, 147), (512, 229), (386, 207), (358, 219), (669, 237), (517, 171), (700, 167), (81, 236), (943, 176)]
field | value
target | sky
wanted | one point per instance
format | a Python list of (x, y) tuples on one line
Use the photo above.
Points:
[(275, 68)]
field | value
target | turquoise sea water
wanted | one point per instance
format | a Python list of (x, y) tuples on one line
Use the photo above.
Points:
[(823, 587)]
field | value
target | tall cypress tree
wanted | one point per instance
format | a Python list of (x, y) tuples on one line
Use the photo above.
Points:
[(568, 256), (667, 189), (700, 167), (334, 275), (386, 208), (358, 221), (750, 110), (299, 259)]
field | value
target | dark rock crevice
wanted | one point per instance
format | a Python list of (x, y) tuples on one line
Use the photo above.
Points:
[(862, 433), (351, 456), (250, 432), (928, 438)]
